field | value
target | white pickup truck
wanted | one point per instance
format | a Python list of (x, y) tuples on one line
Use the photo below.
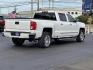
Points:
[(43, 27)]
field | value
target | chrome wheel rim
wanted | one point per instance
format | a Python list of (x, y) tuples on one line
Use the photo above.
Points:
[(82, 36), (47, 40)]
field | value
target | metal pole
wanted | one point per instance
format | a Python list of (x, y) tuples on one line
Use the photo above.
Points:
[(52, 4), (31, 5), (0, 10), (15, 9), (38, 5), (49, 4), (42, 4)]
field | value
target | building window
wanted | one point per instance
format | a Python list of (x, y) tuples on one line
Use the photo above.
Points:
[(68, 12), (72, 12), (76, 13)]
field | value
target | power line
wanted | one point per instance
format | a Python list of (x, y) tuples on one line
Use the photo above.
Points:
[(49, 2)]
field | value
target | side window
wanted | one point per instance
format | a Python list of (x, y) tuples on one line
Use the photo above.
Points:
[(70, 18), (62, 17)]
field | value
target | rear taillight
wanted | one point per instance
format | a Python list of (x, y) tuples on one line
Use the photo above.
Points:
[(33, 25), (2, 22)]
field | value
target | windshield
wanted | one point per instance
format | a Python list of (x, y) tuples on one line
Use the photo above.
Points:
[(45, 16)]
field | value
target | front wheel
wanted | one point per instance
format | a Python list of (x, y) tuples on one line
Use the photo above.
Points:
[(81, 36), (45, 40), (17, 41)]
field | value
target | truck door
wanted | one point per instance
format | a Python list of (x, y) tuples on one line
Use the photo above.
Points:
[(62, 26), (73, 28)]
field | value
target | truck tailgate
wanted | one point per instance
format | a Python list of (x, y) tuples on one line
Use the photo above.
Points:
[(17, 24)]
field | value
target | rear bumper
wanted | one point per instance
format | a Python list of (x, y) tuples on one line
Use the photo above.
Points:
[(24, 35)]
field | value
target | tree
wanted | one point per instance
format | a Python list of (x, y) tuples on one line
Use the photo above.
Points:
[(83, 18)]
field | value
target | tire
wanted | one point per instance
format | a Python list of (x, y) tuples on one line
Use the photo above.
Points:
[(81, 36), (17, 41), (45, 40), (1, 30)]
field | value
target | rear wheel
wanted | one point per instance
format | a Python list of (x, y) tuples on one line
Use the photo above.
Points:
[(17, 41), (81, 36), (45, 40)]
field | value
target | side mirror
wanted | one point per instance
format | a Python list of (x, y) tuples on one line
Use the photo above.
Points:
[(75, 21)]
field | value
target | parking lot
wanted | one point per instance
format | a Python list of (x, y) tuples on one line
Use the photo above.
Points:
[(64, 55)]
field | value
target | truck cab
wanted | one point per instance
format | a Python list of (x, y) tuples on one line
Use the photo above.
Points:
[(43, 27)]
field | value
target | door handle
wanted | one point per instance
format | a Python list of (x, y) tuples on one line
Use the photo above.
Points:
[(61, 24), (16, 23)]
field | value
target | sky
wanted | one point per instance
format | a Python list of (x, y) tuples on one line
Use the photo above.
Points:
[(34, 0), (57, 3)]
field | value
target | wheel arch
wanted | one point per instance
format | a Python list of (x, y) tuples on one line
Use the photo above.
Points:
[(50, 30), (83, 29)]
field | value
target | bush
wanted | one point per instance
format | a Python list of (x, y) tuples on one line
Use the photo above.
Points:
[(83, 18)]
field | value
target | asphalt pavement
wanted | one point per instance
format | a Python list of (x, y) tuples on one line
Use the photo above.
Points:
[(64, 55)]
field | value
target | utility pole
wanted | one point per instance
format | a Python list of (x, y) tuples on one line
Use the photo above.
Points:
[(42, 4), (52, 4), (15, 9), (49, 3), (31, 5), (0, 10), (38, 5)]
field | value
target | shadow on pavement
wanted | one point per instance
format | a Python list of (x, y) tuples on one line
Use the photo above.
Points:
[(60, 43)]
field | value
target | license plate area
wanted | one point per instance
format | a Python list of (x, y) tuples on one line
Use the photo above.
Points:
[(15, 33)]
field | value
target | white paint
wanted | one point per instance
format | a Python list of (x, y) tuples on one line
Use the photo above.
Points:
[(60, 28)]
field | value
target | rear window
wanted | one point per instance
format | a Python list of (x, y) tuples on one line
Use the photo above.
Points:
[(1, 17), (45, 16)]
